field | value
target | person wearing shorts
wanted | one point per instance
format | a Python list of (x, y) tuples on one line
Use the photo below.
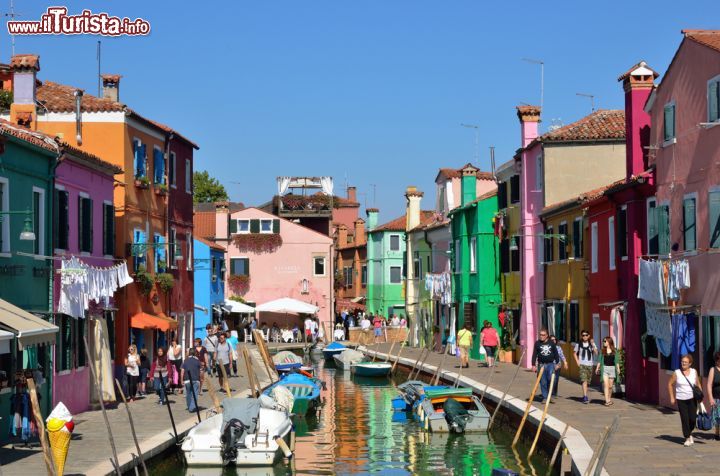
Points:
[(489, 339), (584, 353), (377, 325)]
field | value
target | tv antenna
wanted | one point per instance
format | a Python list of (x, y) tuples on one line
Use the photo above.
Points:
[(542, 77), (592, 100), (12, 16), (477, 135)]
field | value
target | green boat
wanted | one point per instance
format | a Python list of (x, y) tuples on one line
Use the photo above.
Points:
[(371, 369)]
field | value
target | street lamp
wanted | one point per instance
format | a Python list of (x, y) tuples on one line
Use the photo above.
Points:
[(27, 233)]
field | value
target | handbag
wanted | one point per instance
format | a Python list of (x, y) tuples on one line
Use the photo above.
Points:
[(697, 391), (704, 419), (482, 350)]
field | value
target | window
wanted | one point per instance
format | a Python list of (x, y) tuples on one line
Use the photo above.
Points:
[(140, 168), (652, 225), (505, 256), (39, 220), (594, 247), (669, 122), (458, 257), (713, 99), (549, 258), (189, 244), (188, 176), (515, 189), (574, 321), (61, 220), (611, 243), (563, 243), (239, 266), (577, 238), (85, 224), (395, 274), (539, 173), (417, 266), (4, 219), (473, 246), (221, 264), (663, 224), (560, 321), (139, 252), (108, 229), (363, 275), (158, 166), (348, 275), (714, 217), (622, 232), (689, 229), (214, 268), (243, 226), (515, 255), (266, 226), (319, 266), (160, 253), (64, 350), (502, 195), (173, 167), (394, 242), (172, 248)]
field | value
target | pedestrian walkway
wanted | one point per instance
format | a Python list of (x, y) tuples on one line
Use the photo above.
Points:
[(648, 441), (90, 450)]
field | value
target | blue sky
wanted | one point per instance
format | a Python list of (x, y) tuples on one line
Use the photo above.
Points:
[(370, 92)]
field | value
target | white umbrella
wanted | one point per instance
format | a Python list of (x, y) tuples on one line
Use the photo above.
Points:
[(288, 305), (236, 306)]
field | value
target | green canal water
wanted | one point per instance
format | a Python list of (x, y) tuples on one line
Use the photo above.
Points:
[(357, 432)]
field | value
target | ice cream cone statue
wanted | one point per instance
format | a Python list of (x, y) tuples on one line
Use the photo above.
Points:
[(59, 426)]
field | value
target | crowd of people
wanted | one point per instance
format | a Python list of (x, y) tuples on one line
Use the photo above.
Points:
[(377, 322)]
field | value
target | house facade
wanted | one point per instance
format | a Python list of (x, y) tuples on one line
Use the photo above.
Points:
[(350, 267), (209, 283)]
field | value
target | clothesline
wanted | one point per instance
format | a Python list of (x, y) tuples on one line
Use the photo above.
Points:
[(680, 254), (60, 258)]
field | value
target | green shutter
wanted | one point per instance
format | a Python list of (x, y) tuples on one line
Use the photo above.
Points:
[(713, 101), (247, 266), (714, 214), (276, 226), (254, 226), (652, 228), (233, 226), (669, 125), (233, 266), (663, 225), (81, 214), (689, 223)]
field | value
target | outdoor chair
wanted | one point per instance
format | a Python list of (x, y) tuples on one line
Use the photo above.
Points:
[(248, 335)]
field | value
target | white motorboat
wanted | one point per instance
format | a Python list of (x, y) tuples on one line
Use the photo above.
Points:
[(347, 358), (249, 432)]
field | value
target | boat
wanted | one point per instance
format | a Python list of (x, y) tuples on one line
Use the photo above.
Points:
[(371, 369), (454, 410), (305, 390), (249, 432), (332, 349), (348, 357), (411, 392), (286, 361)]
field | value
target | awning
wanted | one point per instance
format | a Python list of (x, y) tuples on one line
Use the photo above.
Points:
[(142, 320), (5, 339), (358, 299), (29, 328), (288, 305), (236, 306), (349, 304)]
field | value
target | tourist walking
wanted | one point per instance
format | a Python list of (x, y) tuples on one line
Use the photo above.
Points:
[(545, 356), (190, 377), (201, 355), (713, 389), (377, 326), (210, 342), (144, 372), (224, 357), (585, 352), (489, 339), (175, 358), (132, 370), (464, 341), (563, 363), (232, 339), (680, 389), (161, 373), (607, 368), (308, 329)]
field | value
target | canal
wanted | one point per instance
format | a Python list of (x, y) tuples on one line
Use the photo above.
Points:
[(357, 432)]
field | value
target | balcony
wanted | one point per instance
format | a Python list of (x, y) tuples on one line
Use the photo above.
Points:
[(297, 206)]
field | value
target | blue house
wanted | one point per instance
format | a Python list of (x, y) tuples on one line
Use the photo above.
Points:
[(209, 282)]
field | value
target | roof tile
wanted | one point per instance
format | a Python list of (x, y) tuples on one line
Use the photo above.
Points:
[(709, 38), (603, 124), (36, 138), (204, 224), (398, 224)]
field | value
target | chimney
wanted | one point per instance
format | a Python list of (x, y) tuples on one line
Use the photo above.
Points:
[(342, 235), (638, 83), (352, 194), (372, 218), (24, 70), (111, 86), (222, 221), (529, 117), (412, 209), (468, 186), (360, 238)]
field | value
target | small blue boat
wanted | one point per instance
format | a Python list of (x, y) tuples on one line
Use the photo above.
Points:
[(333, 349), (305, 390)]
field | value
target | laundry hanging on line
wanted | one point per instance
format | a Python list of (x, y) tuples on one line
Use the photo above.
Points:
[(659, 325), (81, 283), (440, 286), (659, 281)]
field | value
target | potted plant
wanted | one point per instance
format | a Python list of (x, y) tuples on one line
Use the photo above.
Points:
[(507, 342), (161, 189), (142, 182), (144, 280), (162, 266), (239, 283), (620, 381), (258, 242), (165, 281)]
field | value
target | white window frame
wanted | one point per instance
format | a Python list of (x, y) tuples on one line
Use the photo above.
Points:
[(246, 220), (188, 176), (473, 264), (173, 179), (266, 220), (390, 276), (6, 252), (594, 247), (399, 246), (627, 241), (611, 243), (189, 238), (715, 79), (673, 139), (41, 222), (324, 260)]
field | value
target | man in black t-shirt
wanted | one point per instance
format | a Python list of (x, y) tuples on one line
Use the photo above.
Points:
[(545, 355), (190, 376)]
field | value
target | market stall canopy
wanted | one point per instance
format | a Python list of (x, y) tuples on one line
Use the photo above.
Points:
[(237, 306), (142, 320), (288, 305), (29, 328)]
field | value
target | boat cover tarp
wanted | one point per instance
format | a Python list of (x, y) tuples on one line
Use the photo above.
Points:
[(244, 409), (350, 356), (456, 392), (334, 346), (287, 357)]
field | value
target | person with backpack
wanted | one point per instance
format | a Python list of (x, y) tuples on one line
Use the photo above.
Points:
[(584, 353), (681, 389)]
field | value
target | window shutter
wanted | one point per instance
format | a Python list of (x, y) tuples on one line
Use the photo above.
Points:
[(247, 266), (89, 227), (254, 226), (689, 221), (233, 266), (157, 165), (652, 228), (663, 224), (56, 219), (109, 230), (81, 219), (669, 113), (233, 226), (714, 214), (713, 94), (276, 226)]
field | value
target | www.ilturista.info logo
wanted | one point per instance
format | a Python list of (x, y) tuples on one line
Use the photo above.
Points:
[(57, 22)]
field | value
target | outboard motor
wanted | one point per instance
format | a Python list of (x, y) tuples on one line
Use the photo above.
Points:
[(456, 415), (232, 438)]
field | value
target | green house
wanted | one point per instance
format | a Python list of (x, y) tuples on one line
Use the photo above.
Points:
[(475, 259), (385, 265)]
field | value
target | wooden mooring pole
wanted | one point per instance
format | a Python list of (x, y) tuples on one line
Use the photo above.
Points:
[(47, 452), (557, 450), (528, 406), (544, 415), (132, 428)]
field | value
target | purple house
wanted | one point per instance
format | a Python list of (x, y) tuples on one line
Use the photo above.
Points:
[(84, 227)]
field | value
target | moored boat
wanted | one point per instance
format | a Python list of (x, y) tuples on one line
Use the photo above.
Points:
[(286, 361), (305, 390), (348, 357), (454, 410), (411, 392), (332, 349), (371, 369)]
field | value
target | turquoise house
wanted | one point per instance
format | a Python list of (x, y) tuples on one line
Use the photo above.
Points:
[(209, 282), (386, 265)]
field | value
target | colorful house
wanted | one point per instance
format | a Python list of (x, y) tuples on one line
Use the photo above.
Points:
[(554, 167), (350, 267), (209, 282), (475, 258), (683, 217)]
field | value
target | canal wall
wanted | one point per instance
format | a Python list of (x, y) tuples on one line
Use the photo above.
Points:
[(578, 451)]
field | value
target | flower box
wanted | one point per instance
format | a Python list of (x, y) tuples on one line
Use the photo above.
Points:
[(142, 182)]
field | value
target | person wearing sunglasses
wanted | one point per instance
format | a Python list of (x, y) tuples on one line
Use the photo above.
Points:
[(585, 352), (545, 355)]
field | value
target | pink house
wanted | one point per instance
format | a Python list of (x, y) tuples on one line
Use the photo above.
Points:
[(685, 149), (270, 258)]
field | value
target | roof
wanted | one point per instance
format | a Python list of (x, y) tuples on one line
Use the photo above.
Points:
[(91, 159), (709, 38), (35, 138), (578, 200), (640, 68), (213, 246), (25, 62), (344, 202), (603, 124), (431, 221), (484, 196), (457, 173), (398, 224), (170, 130), (204, 224)]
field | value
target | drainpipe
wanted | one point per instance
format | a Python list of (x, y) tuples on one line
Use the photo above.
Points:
[(78, 116), (166, 157), (51, 281)]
